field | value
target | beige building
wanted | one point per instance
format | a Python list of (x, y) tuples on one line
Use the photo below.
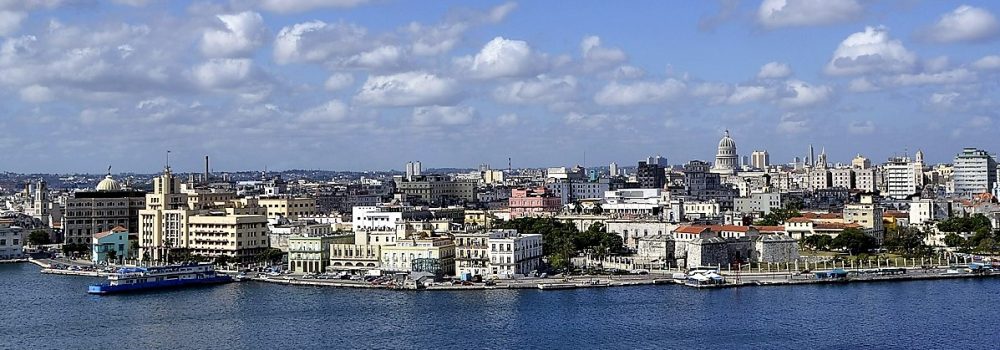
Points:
[(309, 254), (407, 255), (472, 256), (287, 207), (235, 229)]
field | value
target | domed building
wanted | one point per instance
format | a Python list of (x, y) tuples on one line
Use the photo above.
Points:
[(109, 184), (726, 158)]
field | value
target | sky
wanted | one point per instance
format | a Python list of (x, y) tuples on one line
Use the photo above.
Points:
[(371, 84)]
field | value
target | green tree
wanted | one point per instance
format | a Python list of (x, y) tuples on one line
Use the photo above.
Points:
[(112, 255), (908, 241), (270, 255), (777, 217), (817, 242), (954, 240), (854, 241), (39, 237)]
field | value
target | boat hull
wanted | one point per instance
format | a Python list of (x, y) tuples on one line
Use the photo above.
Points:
[(104, 289)]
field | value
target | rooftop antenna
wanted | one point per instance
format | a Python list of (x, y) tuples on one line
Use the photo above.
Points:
[(168, 159), (509, 168)]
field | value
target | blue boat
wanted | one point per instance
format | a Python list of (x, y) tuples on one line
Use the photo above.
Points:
[(133, 279)]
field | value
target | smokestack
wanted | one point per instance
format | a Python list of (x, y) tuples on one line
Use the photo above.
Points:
[(206, 170)]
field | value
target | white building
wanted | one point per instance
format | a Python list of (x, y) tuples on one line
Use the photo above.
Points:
[(974, 172), (376, 218), (904, 177), (11, 242), (929, 210), (726, 157), (570, 191), (513, 253), (758, 203), (760, 160)]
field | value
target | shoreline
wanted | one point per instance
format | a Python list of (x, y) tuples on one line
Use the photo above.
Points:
[(578, 282)]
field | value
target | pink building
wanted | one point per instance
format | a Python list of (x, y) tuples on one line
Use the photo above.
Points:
[(533, 202)]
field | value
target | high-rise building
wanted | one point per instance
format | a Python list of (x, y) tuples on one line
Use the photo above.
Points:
[(860, 162), (903, 177), (613, 169), (974, 171), (650, 175), (109, 206), (760, 160)]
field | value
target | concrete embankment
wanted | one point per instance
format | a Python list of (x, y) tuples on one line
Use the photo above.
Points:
[(13, 261), (749, 281), (546, 284)]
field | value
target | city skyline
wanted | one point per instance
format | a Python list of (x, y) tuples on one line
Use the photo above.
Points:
[(369, 85)]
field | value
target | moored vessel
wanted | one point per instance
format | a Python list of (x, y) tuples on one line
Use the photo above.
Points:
[(132, 279)]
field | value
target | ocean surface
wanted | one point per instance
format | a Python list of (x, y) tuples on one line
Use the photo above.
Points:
[(54, 312)]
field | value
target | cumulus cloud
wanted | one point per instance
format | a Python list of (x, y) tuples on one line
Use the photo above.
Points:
[(804, 95), (963, 24), (36, 94), (596, 56), (644, 92), (749, 93), (338, 81), (443, 115), (862, 84), (429, 40), (791, 13), (793, 123), (987, 63), (954, 76), (589, 121), (318, 41), (332, 111), (870, 51), (861, 127), (417, 88), (943, 100), (541, 89), (774, 70), (294, 6), (10, 21), (242, 34), (502, 57), (223, 72)]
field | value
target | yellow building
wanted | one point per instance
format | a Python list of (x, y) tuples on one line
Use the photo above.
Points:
[(290, 208)]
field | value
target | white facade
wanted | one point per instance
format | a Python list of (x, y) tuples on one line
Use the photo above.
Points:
[(570, 191), (760, 160), (974, 172), (758, 203), (376, 218), (903, 177), (928, 210), (726, 157), (513, 253), (11, 242)]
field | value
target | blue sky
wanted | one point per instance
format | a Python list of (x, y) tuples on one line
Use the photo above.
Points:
[(362, 85)]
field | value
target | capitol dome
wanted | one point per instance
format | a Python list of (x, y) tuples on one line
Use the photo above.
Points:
[(726, 158), (727, 143), (109, 184)]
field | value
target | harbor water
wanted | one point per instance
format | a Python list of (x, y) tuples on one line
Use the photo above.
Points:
[(42, 311)]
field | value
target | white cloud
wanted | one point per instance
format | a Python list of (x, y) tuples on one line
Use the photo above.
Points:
[(36, 94), (541, 89), (793, 123), (243, 33), (862, 84), (443, 115), (943, 99), (408, 89), (504, 58), (861, 127), (10, 21), (774, 70), (430, 40), (627, 72), (953, 76), (749, 93), (805, 95), (332, 111), (338, 81), (318, 41), (590, 121), (508, 119), (293, 6), (624, 94), (964, 24), (870, 51), (596, 56), (987, 63), (388, 56), (790, 13), (936, 64), (223, 72)]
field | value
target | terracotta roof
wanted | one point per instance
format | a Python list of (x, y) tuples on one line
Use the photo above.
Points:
[(834, 226), (770, 229), (799, 219), (117, 229), (810, 215), (691, 229)]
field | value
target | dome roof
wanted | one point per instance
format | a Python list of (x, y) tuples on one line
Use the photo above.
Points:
[(727, 142), (109, 184)]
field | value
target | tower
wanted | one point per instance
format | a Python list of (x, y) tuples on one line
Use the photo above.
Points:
[(812, 156), (613, 169)]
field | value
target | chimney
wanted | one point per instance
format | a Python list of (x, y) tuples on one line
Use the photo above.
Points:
[(205, 179)]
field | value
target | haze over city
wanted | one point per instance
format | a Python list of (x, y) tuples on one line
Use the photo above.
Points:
[(364, 85)]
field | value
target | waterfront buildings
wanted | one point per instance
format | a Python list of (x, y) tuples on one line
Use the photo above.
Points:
[(512, 253), (309, 254), (109, 206), (112, 245), (472, 254), (11, 241), (235, 229)]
